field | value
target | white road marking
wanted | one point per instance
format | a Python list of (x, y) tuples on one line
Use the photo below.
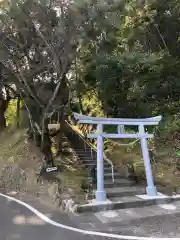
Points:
[(85, 232)]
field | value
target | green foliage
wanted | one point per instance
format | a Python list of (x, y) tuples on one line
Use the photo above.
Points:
[(178, 153), (168, 131), (137, 74), (91, 104), (136, 85)]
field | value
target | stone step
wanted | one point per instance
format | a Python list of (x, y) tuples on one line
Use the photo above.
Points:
[(108, 174), (108, 177), (88, 159), (118, 183), (107, 166), (118, 192), (88, 164), (126, 203), (116, 176), (91, 163), (122, 182), (84, 156), (108, 169), (83, 152), (80, 147), (124, 191), (139, 215)]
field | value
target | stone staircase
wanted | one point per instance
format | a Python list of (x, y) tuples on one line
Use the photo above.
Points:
[(122, 193)]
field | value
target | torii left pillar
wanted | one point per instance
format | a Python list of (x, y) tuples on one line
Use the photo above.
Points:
[(100, 193)]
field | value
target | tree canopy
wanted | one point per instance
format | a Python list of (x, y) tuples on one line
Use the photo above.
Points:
[(134, 67), (125, 53)]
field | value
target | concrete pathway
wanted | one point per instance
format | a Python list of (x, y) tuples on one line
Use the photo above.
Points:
[(154, 221)]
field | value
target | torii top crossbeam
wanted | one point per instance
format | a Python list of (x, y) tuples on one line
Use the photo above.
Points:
[(117, 121)]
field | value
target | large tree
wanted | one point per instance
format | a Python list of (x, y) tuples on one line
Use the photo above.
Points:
[(38, 42)]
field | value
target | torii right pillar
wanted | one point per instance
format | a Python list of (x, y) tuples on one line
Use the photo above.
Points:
[(151, 188)]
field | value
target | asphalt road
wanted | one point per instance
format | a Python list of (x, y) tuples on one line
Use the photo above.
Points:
[(19, 223)]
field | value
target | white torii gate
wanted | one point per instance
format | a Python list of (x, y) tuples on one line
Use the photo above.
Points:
[(120, 122)]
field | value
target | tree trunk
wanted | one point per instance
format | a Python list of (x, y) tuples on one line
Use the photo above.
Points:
[(2, 120), (3, 107), (61, 131), (81, 104), (46, 148), (18, 112), (31, 134), (46, 144)]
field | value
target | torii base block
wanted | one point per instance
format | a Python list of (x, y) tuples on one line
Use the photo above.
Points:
[(151, 191), (101, 196)]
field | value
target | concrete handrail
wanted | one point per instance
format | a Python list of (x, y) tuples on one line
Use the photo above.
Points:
[(91, 146)]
